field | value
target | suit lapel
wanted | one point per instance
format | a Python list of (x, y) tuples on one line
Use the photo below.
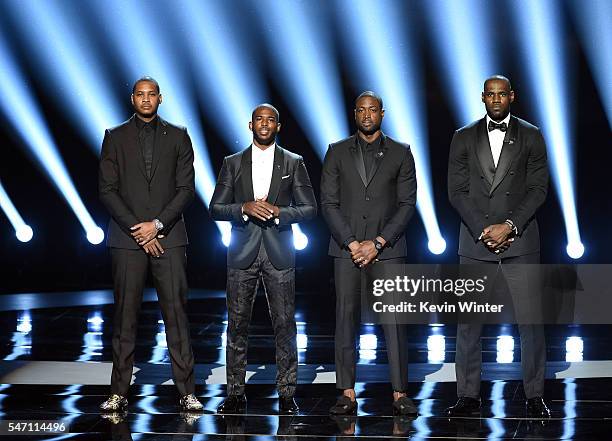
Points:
[(160, 138), (508, 152), (378, 158), (277, 170), (483, 151), (246, 174), (358, 160)]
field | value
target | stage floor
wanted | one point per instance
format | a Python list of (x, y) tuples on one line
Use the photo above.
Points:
[(55, 365)]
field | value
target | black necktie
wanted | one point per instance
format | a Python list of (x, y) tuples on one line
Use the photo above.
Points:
[(147, 140), (494, 126)]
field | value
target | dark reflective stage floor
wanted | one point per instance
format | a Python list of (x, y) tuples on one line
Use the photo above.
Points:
[(56, 356)]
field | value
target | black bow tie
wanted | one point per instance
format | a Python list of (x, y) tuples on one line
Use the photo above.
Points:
[(493, 126)]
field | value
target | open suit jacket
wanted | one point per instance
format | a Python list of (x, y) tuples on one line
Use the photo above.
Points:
[(132, 197), (290, 190), (360, 208), (485, 195)]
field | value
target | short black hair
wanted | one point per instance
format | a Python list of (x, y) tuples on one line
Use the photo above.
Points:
[(496, 77), (267, 106), (146, 78), (372, 95)]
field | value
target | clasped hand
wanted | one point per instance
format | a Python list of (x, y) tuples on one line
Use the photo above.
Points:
[(261, 209), (498, 237), (145, 235), (363, 253)]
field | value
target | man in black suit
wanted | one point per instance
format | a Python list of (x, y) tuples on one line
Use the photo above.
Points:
[(368, 195), (146, 180), (262, 191), (497, 180)]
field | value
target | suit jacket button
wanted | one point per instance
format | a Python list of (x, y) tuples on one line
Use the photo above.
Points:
[(511, 172), (364, 217), (486, 216), (510, 212), (481, 177), (507, 193)]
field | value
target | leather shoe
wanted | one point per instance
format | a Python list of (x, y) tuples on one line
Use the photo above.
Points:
[(536, 408), (233, 404), (404, 406), (344, 406), (465, 406), (287, 406)]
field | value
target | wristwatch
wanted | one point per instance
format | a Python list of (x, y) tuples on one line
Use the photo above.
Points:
[(158, 224), (378, 245)]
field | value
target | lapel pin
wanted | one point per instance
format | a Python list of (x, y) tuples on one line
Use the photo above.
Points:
[(380, 154)]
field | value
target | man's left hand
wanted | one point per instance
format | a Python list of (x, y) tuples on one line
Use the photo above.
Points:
[(272, 208), (495, 235), (144, 232), (366, 253)]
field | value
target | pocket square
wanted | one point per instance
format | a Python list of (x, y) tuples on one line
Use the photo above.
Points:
[(285, 177)]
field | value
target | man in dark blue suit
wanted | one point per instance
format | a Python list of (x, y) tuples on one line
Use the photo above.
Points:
[(262, 191)]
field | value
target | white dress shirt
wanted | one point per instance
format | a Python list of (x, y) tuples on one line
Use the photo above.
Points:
[(261, 172), (496, 138), (263, 163)]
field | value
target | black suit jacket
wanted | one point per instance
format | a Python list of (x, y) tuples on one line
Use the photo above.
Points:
[(355, 207), (290, 190), (132, 197), (484, 195)]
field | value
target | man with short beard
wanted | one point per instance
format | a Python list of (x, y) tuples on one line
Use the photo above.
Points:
[(262, 191), (368, 195), (146, 180)]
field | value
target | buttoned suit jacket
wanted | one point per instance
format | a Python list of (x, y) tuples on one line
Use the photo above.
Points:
[(484, 194), (361, 205), (290, 190), (132, 197)]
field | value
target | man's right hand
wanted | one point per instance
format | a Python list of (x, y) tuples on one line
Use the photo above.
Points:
[(354, 246), (153, 248), (257, 209)]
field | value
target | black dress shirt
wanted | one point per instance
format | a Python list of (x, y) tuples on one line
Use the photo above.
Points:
[(146, 138), (368, 152)]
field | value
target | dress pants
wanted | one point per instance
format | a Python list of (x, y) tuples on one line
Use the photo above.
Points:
[(279, 286), (350, 282), (130, 268), (468, 358)]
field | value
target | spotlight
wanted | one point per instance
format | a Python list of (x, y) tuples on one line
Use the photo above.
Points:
[(389, 64), (575, 250), (95, 235), (23, 232), (67, 60), (437, 245), (593, 20), (301, 43), (542, 40), (22, 111), (300, 241)]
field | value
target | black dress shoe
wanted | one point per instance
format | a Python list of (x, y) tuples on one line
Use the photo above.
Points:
[(344, 406), (404, 406), (287, 406), (536, 408), (233, 404), (465, 406)]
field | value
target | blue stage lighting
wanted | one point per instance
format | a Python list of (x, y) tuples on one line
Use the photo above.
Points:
[(148, 52), (22, 230), (235, 85), (388, 65), (66, 58), (301, 45), (542, 43), (22, 111), (460, 33), (593, 20)]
